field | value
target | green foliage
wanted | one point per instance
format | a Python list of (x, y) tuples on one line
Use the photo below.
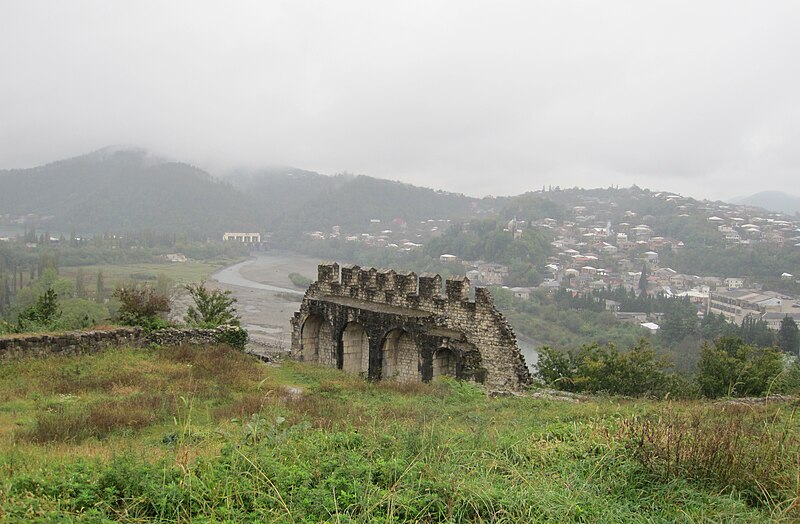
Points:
[(42, 315), (234, 336), (142, 306), (596, 368), (211, 308), (81, 313), (734, 448), (487, 240), (550, 321), (299, 280), (755, 331), (730, 367), (210, 435), (788, 336)]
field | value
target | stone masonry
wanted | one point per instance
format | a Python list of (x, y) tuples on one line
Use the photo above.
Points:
[(387, 325), (81, 342)]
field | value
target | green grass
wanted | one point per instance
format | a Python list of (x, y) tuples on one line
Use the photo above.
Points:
[(179, 272), (212, 435)]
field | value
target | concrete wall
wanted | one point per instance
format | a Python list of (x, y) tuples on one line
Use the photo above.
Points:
[(82, 342)]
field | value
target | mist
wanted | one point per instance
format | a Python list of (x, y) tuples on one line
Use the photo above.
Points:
[(471, 97)]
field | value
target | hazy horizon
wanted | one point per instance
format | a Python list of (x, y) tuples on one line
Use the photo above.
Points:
[(698, 99)]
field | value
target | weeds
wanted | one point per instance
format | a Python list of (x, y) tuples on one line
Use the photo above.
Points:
[(70, 423), (211, 435), (753, 451)]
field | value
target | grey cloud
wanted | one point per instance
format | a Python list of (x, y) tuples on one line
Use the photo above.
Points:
[(477, 97)]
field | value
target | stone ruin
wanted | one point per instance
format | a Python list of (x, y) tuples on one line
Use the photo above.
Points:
[(387, 325)]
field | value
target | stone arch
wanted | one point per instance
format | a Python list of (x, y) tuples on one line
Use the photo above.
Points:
[(315, 340), (400, 357), (445, 363), (355, 349)]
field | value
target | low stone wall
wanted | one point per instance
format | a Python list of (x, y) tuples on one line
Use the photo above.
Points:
[(82, 342)]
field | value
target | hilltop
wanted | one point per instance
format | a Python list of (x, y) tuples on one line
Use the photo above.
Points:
[(776, 201), (121, 190)]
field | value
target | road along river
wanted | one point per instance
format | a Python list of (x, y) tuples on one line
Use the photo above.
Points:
[(266, 298)]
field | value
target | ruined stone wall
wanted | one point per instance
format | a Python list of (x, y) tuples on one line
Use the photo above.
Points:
[(384, 299), (83, 342)]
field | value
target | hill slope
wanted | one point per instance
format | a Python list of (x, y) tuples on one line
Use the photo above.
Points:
[(119, 190), (776, 201), (293, 200), (123, 190)]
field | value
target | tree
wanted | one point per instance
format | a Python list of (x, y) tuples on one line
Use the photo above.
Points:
[(100, 288), (643, 279), (142, 306), (80, 286), (42, 315), (212, 307), (788, 336)]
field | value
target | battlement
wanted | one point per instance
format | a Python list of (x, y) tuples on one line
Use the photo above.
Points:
[(355, 281), (396, 325)]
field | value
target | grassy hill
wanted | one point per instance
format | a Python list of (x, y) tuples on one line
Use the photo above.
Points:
[(211, 435)]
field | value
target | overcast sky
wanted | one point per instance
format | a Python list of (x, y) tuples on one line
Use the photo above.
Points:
[(697, 97)]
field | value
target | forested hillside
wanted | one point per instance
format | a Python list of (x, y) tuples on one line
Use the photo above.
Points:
[(131, 190), (292, 201), (124, 190)]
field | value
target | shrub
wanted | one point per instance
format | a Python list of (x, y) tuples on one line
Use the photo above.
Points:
[(595, 368), (41, 315), (730, 367), (235, 336), (299, 280), (211, 308), (142, 306)]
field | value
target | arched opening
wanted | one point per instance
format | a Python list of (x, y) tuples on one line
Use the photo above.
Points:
[(400, 360), (309, 337), (355, 349), (444, 363)]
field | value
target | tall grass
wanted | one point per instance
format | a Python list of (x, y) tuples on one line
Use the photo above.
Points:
[(211, 435), (749, 450)]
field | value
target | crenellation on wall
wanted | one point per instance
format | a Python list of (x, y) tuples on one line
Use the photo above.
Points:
[(382, 301), (385, 279), (430, 286), (328, 272), (457, 288)]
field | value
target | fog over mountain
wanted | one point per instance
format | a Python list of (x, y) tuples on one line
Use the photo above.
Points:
[(772, 201), (472, 97)]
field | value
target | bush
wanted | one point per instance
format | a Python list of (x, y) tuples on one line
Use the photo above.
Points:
[(42, 315), (730, 367), (142, 306), (734, 447), (299, 280), (596, 368), (235, 336)]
